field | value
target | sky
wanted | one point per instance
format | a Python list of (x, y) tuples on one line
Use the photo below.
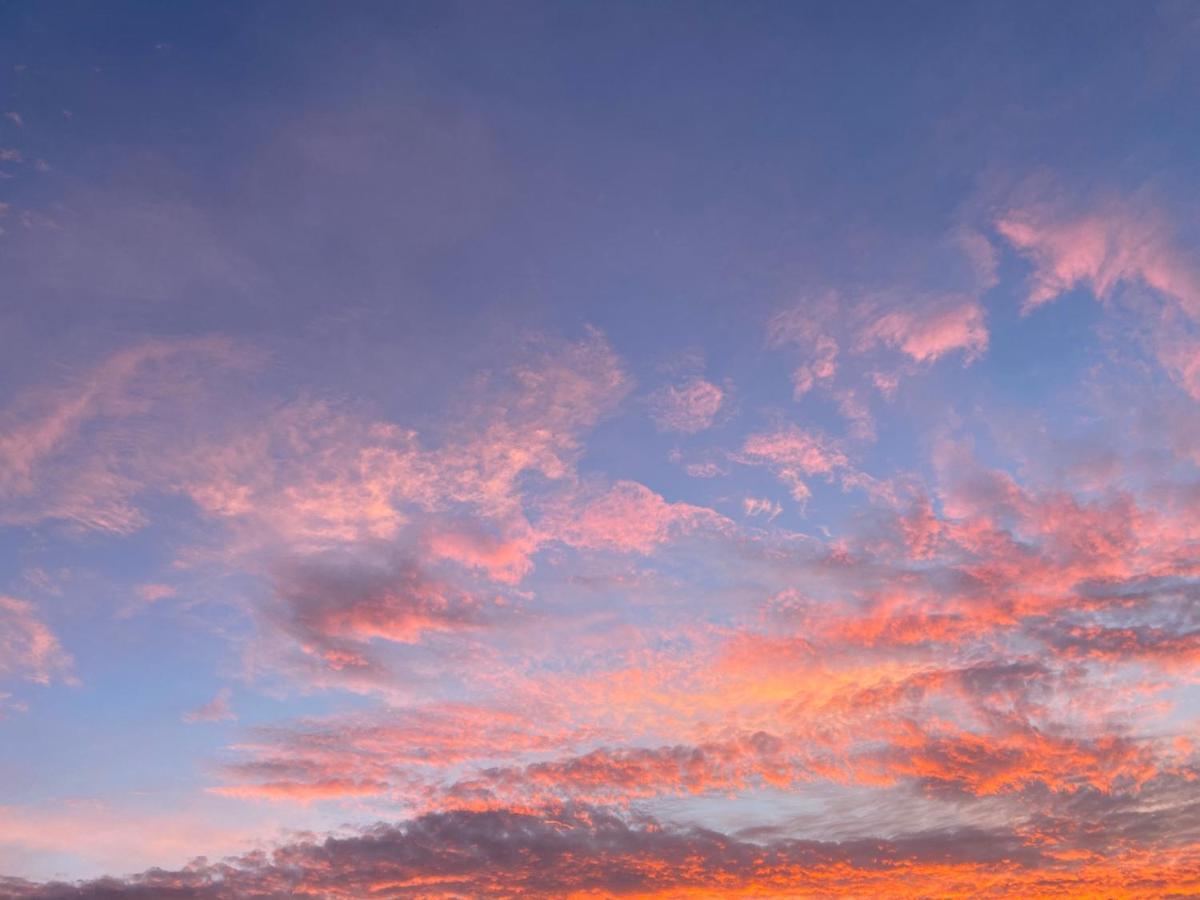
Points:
[(599, 449)]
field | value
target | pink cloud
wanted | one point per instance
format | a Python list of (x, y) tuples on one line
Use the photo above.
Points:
[(399, 752), (761, 506), (854, 409), (805, 329), (696, 468), (504, 555), (791, 446), (341, 496), (28, 648), (308, 477), (793, 452), (303, 792), (884, 382), (929, 331), (621, 774), (688, 408), (532, 420), (626, 517), (822, 368), (343, 505), (803, 325), (152, 593), (1178, 350), (215, 710), (830, 330), (308, 472), (49, 470), (335, 605), (1100, 250)]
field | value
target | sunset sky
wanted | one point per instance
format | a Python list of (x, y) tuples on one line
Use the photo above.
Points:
[(661, 449)]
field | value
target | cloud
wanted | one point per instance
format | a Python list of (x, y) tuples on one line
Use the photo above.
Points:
[(804, 327), (333, 606), (988, 642), (608, 775), (28, 648), (793, 452), (153, 592), (927, 333), (1099, 249), (556, 853), (582, 850), (857, 412), (1178, 349), (761, 506), (626, 517), (458, 583), (401, 751), (330, 504), (111, 837), (62, 453), (504, 553), (215, 710), (1014, 760), (792, 446), (688, 408), (843, 337)]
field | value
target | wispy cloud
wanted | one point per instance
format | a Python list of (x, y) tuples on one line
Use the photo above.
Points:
[(30, 649), (215, 710)]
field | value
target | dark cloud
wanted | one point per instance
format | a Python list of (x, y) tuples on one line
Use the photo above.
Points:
[(334, 604), (502, 853)]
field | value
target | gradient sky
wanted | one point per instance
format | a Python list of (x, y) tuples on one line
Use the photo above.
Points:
[(590, 449)]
